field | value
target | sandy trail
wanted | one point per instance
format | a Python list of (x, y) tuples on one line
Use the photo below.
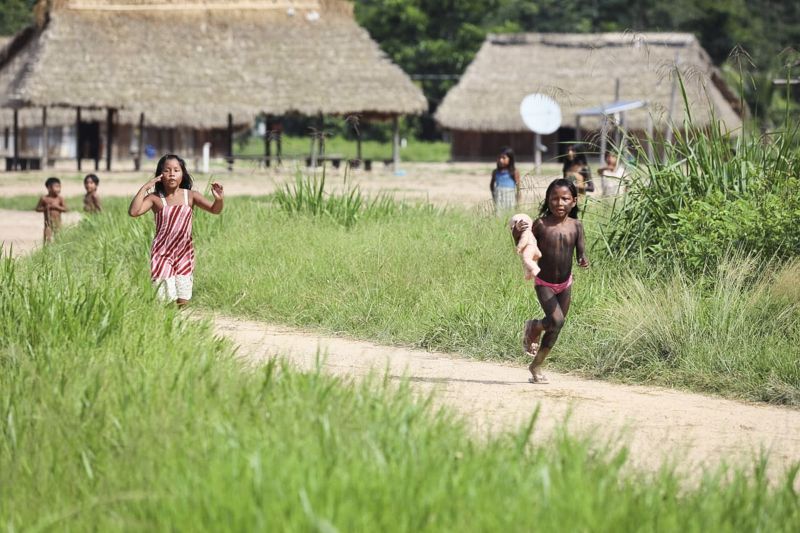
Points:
[(21, 232), (656, 423)]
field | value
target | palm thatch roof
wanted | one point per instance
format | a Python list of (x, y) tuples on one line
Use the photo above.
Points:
[(580, 71), (190, 63)]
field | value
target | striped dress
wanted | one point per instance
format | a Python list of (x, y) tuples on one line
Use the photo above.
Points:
[(172, 253)]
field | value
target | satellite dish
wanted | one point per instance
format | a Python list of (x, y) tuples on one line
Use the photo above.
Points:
[(540, 113)]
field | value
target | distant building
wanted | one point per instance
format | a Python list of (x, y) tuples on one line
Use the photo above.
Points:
[(183, 66), (580, 71)]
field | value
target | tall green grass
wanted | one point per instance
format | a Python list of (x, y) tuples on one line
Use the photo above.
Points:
[(709, 189), (120, 413), (449, 280), (307, 195)]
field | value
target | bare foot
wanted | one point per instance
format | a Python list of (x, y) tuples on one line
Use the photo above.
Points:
[(536, 374), (530, 339)]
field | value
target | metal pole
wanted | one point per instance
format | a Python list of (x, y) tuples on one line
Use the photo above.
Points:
[(649, 136), (537, 153), (577, 127)]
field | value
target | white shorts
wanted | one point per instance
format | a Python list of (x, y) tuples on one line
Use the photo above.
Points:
[(174, 288)]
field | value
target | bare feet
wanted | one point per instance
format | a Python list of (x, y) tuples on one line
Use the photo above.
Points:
[(530, 339), (536, 374)]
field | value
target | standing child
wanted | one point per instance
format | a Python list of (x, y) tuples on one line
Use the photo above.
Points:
[(52, 205), (172, 201), (505, 182), (559, 234), (91, 201)]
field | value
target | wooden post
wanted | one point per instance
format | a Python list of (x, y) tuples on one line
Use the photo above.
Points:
[(603, 135), (16, 140), (396, 143), (78, 137), (321, 135), (577, 127), (650, 151), (278, 140), (537, 153), (45, 139), (109, 137), (137, 163), (230, 142), (267, 142)]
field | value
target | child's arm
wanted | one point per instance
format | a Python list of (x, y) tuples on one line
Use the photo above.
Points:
[(202, 202), (96, 202), (62, 206), (580, 247), (41, 207), (491, 182), (142, 201)]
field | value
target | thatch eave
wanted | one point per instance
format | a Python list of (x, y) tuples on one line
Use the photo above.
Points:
[(192, 67), (579, 71)]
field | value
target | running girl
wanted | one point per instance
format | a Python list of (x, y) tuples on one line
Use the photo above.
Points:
[(559, 234), (170, 197)]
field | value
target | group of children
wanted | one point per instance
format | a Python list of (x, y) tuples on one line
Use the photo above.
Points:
[(556, 235), (170, 197), (52, 204)]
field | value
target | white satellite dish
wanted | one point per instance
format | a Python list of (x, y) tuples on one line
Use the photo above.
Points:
[(540, 113)]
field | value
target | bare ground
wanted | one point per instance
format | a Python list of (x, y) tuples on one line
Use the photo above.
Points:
[(657, 424)]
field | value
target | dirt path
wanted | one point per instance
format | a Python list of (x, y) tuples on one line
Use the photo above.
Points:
[(21, 231), (656, 423), (439, 183)]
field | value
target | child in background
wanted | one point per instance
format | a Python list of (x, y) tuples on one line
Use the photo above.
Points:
[(574, 174), (52, 205), (505, 182), (169, 196), (559, 234), (91, 201)]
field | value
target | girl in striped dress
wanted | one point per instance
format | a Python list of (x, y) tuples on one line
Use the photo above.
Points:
[(171, 199)]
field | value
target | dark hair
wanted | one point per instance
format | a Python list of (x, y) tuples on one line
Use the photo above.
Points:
[(93, 178), (509, 153), (580, 156), (561, 182), (52, 181), (186, 179)]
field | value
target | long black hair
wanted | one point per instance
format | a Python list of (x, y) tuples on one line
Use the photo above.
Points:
[(560, 182), (186, 178), (509, 153)]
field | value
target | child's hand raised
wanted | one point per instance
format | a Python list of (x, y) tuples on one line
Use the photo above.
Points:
[(583, 262), (217, 191)]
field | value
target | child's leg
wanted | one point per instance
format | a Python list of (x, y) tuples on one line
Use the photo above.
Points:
[(555, 308), (183, 289), (48, 234)]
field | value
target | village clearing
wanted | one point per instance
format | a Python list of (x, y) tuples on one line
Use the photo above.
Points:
[(657, 424)]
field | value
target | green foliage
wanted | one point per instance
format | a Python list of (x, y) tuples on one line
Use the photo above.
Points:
[(15, 15), (345, 147), (119, 413), (308, 196), (708, 193)]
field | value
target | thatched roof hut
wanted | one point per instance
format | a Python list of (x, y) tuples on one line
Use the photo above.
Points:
[(581, 71), (190, 62)]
